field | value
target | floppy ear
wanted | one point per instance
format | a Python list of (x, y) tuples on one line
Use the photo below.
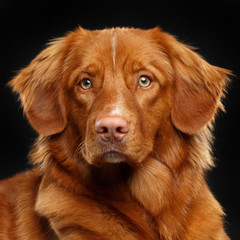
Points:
[(40, 90), (197, 87)]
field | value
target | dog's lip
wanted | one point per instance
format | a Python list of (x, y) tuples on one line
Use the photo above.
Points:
[(113, 156)]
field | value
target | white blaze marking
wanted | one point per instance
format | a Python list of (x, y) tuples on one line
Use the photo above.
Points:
[(114, 50), (117, 111)]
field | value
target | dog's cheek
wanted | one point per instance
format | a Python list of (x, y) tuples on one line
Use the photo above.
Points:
[(77, 115), (91, 148), (156, 110)]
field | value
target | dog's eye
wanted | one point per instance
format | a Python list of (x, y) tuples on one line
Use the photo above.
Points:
[(144, 82), (85, 84)]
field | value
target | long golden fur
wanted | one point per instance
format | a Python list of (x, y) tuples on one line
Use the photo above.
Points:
[(87, 185)]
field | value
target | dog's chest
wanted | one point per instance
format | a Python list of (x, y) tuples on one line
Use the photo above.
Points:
[(112, 215)]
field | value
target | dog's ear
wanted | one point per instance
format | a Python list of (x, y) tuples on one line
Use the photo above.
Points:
[(197, 86), (197, 90), (40, 90)]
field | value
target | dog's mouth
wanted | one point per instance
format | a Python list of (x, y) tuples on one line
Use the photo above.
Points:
[(106, 155), (131, 151), (113, 156), (99, 154), (110, 153)]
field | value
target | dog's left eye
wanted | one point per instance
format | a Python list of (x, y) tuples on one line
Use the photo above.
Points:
[(144, 82), (85, 84)]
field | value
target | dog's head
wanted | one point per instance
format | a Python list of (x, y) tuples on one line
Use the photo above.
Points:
[(116, 91)]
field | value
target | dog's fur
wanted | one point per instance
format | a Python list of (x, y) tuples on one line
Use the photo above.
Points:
[(152, 187)]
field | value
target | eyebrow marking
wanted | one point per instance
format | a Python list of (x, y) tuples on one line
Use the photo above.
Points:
[(114, 50)]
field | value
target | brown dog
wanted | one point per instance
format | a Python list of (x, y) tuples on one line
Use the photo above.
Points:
[(124, 119)]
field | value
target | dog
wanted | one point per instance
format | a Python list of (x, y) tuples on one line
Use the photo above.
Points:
[(124, 118)]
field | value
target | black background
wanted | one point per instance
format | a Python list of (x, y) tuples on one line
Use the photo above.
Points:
[(211, 26)]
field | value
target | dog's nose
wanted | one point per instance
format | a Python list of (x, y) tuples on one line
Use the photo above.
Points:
[(112, 129)]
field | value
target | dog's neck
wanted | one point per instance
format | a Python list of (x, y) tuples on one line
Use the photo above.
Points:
[(50, 155), (152, 181), (55, 150)]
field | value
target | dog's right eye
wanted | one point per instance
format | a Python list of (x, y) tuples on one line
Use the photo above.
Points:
[(85, 84)]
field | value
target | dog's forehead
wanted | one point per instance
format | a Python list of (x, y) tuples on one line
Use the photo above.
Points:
[(113, 47), (121, 52), (122, 37)]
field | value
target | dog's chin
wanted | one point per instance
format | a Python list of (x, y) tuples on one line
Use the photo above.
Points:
[(110, 157), (113, 157)]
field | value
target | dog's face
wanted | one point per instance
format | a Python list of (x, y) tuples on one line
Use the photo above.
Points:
[(118, 92)]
